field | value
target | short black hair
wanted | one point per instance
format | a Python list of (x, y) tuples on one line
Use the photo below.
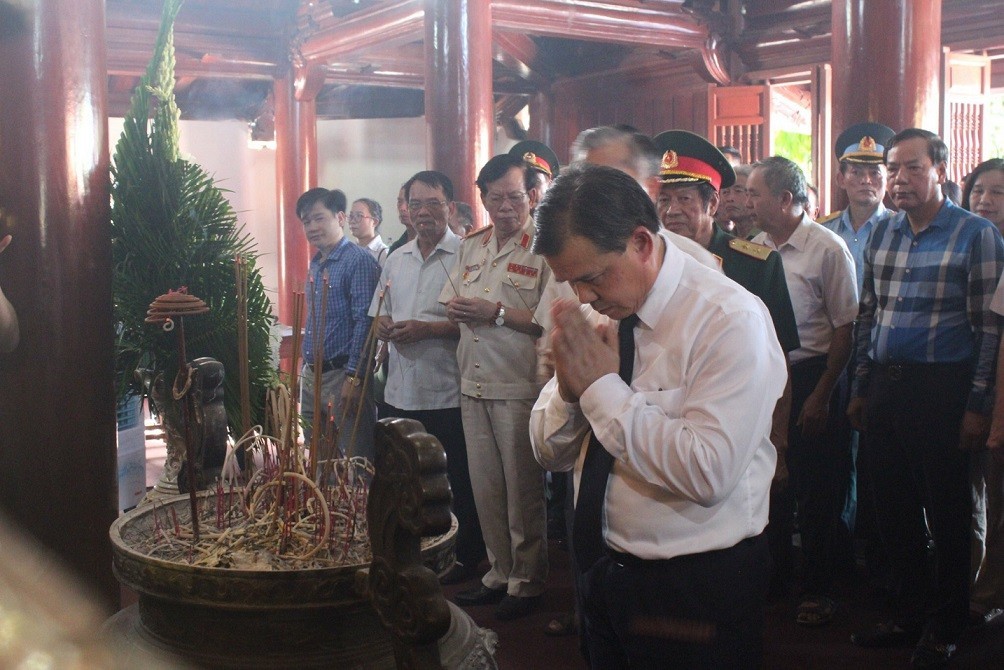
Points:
[(602, 204), (731, 151), (782, 174), (937, 150), (498, 166), (970, 180), (334, 201), (432, 179)]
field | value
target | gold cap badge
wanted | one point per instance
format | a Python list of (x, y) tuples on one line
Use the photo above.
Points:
[(669, 161)]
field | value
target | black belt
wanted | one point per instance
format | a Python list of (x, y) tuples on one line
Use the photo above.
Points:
[(336, 363), (899, 371)]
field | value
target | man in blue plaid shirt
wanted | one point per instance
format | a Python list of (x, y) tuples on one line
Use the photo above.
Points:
[(337, 344), (922, 390)]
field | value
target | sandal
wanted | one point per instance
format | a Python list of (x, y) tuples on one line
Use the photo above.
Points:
[(562, 626), (815, 611)]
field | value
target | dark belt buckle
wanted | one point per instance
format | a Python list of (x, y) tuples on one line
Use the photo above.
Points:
[(895, 372)]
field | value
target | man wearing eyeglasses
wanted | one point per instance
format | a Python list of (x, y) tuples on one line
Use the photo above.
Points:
[(496, 285)]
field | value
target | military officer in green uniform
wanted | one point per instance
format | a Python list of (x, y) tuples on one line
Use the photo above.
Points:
[(691, 174)]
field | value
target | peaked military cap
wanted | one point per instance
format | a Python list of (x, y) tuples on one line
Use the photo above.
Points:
[(538, 156), (689, 158), (864, 143)]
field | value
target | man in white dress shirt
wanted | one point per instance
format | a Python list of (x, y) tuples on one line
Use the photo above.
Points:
[(672, 487), (423, 382), (820, 275)]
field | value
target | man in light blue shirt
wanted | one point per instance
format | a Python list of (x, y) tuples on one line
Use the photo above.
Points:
[(862, 176)]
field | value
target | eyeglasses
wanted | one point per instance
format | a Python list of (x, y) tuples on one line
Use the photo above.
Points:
[(431, 205), (356, 217), (514, 199)]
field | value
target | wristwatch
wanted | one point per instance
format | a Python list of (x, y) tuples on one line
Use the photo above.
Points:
[(500, 315), (354, 380)]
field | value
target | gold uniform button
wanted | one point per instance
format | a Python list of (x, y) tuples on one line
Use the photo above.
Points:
[(477, 385), (479, 395), (495, 265), (477, 365), (477, 339), (487, 290)]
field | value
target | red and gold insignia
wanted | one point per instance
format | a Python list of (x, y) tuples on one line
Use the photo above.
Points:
[(525, 241), (524, 270), (867, 144), (669, 160)]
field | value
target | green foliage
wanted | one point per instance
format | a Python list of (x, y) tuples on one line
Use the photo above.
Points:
[(172, 227), (796, 147)]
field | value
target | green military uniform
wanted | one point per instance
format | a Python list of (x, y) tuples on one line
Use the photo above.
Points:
[(758, 269)]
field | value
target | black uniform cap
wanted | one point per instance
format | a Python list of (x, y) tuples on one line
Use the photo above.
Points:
[(538, 156), (864, 143)]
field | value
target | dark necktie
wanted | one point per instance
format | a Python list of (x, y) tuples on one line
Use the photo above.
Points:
[(587, 523)]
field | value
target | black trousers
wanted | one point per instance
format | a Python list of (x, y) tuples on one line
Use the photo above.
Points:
[(696, 611), (819, 474), (921, 487), (447, 426)]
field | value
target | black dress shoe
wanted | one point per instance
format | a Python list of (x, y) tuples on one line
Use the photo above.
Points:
[(514, 607), (886, 634), (481, 595), (458, 573)]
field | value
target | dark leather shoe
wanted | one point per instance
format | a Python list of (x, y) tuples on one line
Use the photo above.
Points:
[(481, 595), (884, 635), (932, 653), (458, 573), (515, 607)]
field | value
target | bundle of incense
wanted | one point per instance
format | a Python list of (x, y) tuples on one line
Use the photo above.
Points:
[(317, 327), (241, 281), (367, 364)]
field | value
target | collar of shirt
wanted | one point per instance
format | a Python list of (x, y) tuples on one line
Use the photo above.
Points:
[(943, 219), (334, 253), (376, 244), (844, 222), (798, 238), (517, 239), (665, 285), (449, 243)]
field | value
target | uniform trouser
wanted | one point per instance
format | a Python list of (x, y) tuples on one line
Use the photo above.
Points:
[(819, 467), (988, 589), (509, 491), (447, 427), (922, 490), (360, 422)]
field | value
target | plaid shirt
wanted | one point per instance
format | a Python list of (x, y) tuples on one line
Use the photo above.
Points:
[(352, 278), (926, 298)]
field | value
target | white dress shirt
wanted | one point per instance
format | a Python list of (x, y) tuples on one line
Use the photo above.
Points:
[(421, 375), (691, 435), (821, 282), (378, 249)]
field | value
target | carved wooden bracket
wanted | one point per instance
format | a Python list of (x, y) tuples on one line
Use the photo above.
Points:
[(308, 80), (409, 499), (711, 62)]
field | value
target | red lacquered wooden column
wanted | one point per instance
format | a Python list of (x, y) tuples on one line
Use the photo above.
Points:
[(886, 63), (57, 403), (886, 60), (295, 172), (459, 114)]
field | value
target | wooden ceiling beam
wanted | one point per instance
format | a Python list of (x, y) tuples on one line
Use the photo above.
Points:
[(382, 26), (612, 21)]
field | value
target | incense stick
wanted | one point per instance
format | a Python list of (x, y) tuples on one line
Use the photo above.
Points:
[(523, 300)]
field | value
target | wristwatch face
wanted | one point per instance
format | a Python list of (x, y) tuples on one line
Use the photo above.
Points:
[(500, 319)]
